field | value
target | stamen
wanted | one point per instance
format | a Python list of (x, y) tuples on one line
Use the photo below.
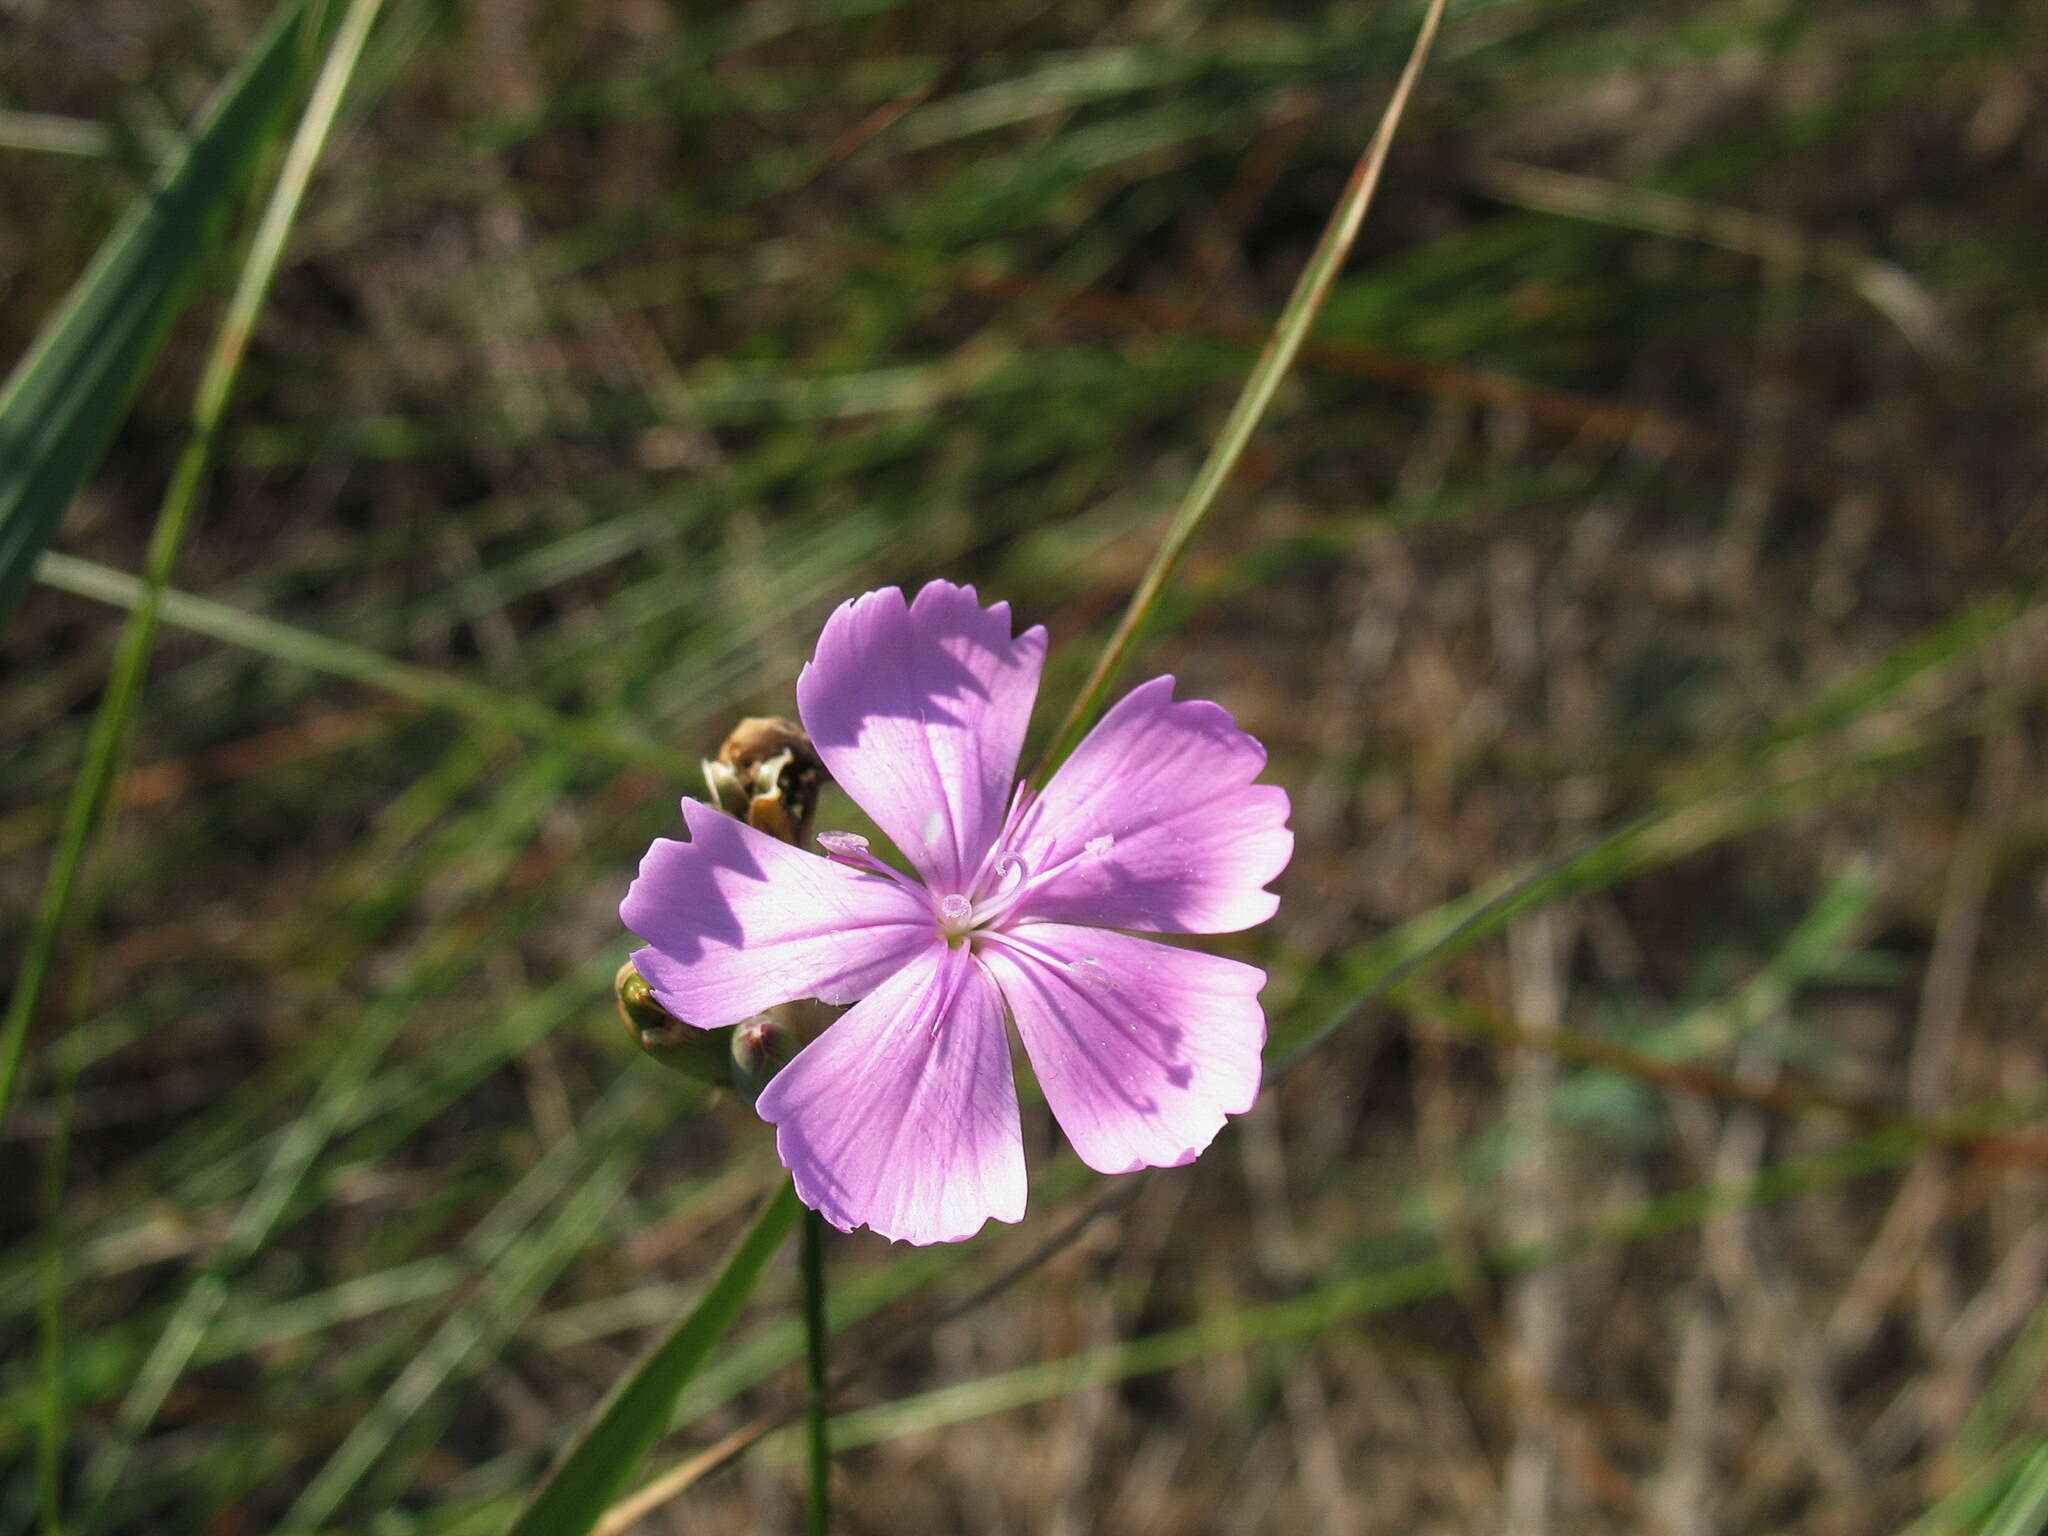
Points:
[(991, 867), (851, 849), (955, 972), (1096, 848), (956, 908)]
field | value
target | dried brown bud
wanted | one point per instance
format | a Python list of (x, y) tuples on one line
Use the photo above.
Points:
[(768, 775), (699, 1053)]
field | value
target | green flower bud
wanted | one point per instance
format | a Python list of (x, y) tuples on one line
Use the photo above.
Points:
[(761, 1047), (699, 1053)]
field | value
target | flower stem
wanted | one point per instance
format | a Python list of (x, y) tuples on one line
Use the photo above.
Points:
[(816, 1418), (1289, 332)]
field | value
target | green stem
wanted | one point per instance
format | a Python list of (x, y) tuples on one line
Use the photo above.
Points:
[(817, 1417), (1303, 305)]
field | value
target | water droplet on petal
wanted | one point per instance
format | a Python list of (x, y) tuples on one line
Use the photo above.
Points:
[(1091, 972), (846, 844)]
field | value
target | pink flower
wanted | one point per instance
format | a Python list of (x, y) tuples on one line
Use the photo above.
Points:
[(902, 1116)]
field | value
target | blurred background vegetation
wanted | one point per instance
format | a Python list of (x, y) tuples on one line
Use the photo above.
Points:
[(1669, 459)]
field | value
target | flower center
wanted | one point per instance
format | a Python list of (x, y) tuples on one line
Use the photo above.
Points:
[(1006, 882), (1002, 884), (956, 917)]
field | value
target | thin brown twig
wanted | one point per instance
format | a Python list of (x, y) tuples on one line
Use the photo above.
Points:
[(645, 1500)]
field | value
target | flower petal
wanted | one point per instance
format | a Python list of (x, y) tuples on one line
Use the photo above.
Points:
[(1142, 1048), (1191, 839), (919, 712), (902, 1116), (738, 922)]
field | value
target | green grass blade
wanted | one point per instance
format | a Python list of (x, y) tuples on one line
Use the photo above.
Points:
[(1963, 1507), (37, 513), (111, 727), (2024, 1509), (817, 1427), (523, 1249), (513, 714), (65, 398), (582, 1485), (1296, 319)]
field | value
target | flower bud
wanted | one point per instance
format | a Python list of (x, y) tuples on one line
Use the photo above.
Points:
[(694, 1052), (761, 1047), (768, 775)]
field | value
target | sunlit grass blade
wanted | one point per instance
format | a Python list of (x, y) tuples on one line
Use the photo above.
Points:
[(1296, 319), (817, 1426), (581, 1486), (115, 717), (2002, 1399), (514, 714), (2024, 1509), (64, 400), (109, 738), (1963, 1507), (49, 134), (523, 1254), (185, 1331)]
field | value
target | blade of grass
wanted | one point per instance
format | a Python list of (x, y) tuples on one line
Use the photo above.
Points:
[(580, 1488), (519, 1258), (1885, 286), (65, 398), (186, 1330), (2024, 1509), (488, 706), (115, 719), (47, 133), (116, 714), (2002, 1398), (817, 1421), (1296, 319), (1977, 1497)]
